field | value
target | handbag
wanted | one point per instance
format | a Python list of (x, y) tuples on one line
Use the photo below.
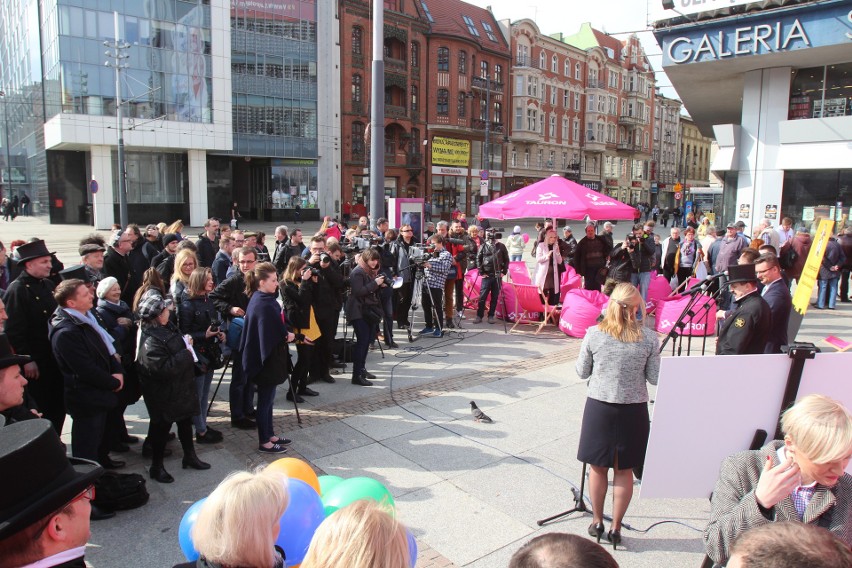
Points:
[(372, 314), (210, 357)]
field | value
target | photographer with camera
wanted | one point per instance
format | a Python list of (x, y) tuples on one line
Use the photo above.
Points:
[(328, 300), (433, 292), (297, 296), (400, 250), (624, 260), (386, 293), (363, 309), (492, 260), (453, 289), (641, 276)]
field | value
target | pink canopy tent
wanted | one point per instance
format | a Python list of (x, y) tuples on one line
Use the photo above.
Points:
[(556, 198)]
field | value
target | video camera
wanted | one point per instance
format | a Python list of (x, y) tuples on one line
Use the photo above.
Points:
[(421, 254), (358, 244), (631, 241), (494, 233)]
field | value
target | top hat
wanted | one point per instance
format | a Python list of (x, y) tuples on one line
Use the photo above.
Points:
[(77, 271), (7, 354), (39, 478), (741, 273), (29, 251)]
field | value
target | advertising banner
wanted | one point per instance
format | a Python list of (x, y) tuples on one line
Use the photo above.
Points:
[(450, 151)]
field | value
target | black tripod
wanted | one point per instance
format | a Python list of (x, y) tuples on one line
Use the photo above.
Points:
[(416, 296), (579, 502)]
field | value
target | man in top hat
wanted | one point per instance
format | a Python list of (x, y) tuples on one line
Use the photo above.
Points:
[(12, 384), (746, 329), (30, 304), (45, 504), (92, 257)]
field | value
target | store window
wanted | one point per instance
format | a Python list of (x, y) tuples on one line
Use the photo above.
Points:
[(818, 92), (812, 195)]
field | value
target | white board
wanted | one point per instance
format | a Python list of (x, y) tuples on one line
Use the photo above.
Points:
[(708, 408)]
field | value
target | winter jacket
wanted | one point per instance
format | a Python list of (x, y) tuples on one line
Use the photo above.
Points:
[(167, 373), (362, 293)]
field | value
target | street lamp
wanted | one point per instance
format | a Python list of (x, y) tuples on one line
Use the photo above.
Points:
[(117, 56), (477, 84), (6, 143)]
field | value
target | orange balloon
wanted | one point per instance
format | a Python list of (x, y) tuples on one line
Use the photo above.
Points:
[(296, 469)]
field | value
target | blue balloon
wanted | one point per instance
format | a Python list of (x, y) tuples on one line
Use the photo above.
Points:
[(184, 536), (412, 547), (304, 514)]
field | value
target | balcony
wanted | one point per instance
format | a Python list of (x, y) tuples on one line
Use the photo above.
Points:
[(396, 65), (522, 61), (357, 107), (519, 135), (394, 111), (414, 160), (595, 85), (628, 147), (483, 84), (479, 124), (630, 120), (594, 145)]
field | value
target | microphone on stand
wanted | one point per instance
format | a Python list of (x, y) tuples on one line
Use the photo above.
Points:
[(705, 284)]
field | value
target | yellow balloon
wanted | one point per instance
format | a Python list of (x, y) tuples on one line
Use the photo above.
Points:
[(296, 469)]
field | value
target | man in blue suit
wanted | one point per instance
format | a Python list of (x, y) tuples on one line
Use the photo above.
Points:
[(777, 295)]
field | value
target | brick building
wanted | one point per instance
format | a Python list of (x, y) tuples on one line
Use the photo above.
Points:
[(547, 108), (405, 44), (467, 106)]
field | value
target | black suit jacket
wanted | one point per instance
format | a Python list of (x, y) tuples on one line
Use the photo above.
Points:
[(777, 295), (745, 331)]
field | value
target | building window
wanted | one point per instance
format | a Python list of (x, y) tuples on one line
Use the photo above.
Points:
[(513, 160), (443, 106), (564, 160), (575, 135), (526, 158), (483, 110), (554, 64), (540, 160), (443, 59), (483, 69), (462, 62), (532, 87), (577, 101), (577, 71), (519, 85), (489, 31), (498, 113), (590, 131), (519, 118), (356, 88), (358, 141), (590, 103), (553, 90), (565, 133), (566, 70), (414, 102), (542, 59), (552, 125), (461, 105), (498, 73), (471, 27), (532, 119), (566, 99), (357, 40), (415, 54)]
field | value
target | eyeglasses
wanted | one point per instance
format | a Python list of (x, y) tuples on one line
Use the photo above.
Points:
[(407, 231), (88, 494), (759, 272)]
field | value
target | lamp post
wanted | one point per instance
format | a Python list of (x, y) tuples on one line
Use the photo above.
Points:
[(477, 84), (6, 141), (117, 55)]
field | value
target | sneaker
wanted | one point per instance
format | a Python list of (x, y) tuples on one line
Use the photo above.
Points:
[(461, 315), (427, 330), (491, 319), (437, 333), (274, 449), (478, 319), (281, 441)]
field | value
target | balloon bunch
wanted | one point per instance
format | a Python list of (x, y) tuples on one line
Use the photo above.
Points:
[(312, 499)]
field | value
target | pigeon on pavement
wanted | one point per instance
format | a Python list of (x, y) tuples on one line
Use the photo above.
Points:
[(478, 415)]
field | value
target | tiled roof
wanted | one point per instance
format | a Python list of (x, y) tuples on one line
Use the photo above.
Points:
[(455, 18), (605, 40)]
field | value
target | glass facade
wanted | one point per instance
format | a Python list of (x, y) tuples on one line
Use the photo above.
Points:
[(818, 92), (812, 195), (168, 73)]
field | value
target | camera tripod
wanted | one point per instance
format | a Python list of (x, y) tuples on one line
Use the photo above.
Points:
[(416, 294)]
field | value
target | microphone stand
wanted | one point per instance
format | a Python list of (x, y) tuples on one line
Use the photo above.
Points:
[(680, 323)]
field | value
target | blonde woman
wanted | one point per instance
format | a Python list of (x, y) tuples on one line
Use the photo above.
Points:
[(360, 535), (175, 228), (185, 263), (801, 478), (239, 522), (618, 357)]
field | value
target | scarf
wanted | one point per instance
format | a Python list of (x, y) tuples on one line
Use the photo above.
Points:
[(89, 319), (372, 273)]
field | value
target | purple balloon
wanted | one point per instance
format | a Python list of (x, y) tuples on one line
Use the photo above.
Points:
[(304, 514)]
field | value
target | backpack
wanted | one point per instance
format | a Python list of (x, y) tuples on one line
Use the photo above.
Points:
[(120, 491), (788, 258)]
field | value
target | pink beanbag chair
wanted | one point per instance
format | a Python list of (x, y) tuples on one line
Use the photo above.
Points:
[(580, 311), (472, 284), (702, 323), (570, 281)]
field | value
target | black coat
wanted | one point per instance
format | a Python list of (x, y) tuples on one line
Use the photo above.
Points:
[(230, 294), (221, 264), (167, 373), (30, 305), (86, 365), (118, 267), (195, 316), (362, 293), (746, 330), (125, 337), (207, 250), (297, 301), (780, 303), (329, 293)]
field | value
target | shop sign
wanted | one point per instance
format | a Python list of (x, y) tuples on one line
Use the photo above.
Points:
[(593, 185), (756, 34), (636, 184), (442, 171), (745, 211), (450, 151), (611, 182)]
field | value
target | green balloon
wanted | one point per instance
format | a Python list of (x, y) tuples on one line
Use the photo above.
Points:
[(354, 489), (328, 482)]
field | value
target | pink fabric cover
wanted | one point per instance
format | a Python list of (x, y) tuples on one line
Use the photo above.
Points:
[(471, 291), (519, 273), (570, 281), (703, 323), (580, 311)]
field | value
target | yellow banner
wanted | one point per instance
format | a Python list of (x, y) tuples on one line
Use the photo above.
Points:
[(810, 273), (450, 152)]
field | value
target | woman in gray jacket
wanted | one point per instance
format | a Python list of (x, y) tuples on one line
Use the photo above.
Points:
[(618, 358)]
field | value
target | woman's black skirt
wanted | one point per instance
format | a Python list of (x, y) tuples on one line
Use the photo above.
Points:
[(611, 430)]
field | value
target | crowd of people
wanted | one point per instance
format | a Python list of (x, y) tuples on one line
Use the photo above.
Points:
[(151, 313)]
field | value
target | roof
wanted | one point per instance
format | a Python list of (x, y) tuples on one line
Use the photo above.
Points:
[(587, 37), (465, 21)]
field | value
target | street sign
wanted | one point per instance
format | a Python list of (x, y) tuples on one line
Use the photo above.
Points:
[(678, 195), (93, 186), (483, 187), (483, 174), (678, 187)]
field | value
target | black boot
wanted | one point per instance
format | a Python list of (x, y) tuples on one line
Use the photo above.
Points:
[(190, 460), (159, 473), (360, 378)]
